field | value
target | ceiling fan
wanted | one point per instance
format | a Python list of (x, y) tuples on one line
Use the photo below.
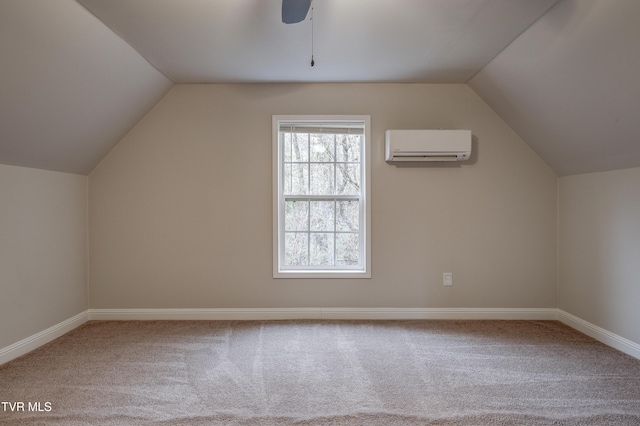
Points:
[(294, 11)]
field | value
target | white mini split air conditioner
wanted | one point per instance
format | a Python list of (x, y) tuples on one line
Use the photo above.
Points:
[(427, 145)]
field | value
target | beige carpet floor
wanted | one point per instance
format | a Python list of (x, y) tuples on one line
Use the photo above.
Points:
[(322, 373)]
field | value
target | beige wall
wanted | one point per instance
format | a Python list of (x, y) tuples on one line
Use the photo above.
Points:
[(600, 250), (43, 231), (180, 210)]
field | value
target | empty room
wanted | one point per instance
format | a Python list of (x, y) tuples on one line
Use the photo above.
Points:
[(319, 212)]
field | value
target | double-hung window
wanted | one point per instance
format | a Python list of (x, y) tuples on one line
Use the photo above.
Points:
[(321, 197)]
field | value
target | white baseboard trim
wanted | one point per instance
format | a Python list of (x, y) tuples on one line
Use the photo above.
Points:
[(323, 313), (600, 334), (219, 314), (608, 338), (35, 341), (438, 313)]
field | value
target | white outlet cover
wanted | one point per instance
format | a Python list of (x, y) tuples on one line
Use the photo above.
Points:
[(447, 278)]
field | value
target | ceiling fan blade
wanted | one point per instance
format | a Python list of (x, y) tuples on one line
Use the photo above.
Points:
[(294, 11)]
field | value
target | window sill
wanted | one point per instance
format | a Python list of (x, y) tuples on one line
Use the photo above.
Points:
[(323, 274)]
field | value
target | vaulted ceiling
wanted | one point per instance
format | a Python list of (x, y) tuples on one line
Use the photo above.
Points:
[(76, 76)]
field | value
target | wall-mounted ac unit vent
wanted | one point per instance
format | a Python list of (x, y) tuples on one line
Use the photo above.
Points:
[(427, 145)]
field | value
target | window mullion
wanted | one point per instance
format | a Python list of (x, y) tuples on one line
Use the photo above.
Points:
[(321, 197), (335, 167), (291, 175), (335, 232), (309, 201), (309, 163), (309, 232), (335, 203)]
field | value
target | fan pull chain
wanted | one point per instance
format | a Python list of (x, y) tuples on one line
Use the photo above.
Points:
[(312, 61)]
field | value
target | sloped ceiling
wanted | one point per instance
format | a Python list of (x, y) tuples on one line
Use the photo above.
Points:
[(569, 86), (77, 76), (70, 88)]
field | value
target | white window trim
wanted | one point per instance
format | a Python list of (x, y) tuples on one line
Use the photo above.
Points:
[(277, 159)]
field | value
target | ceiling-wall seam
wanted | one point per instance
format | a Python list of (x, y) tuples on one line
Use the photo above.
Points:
[(126, 41), (511, 42), (513, 131)]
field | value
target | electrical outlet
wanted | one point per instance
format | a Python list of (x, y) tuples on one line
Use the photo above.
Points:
[(447, 278)]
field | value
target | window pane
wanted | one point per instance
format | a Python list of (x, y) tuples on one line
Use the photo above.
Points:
[(322, 179), (299, 147), (296, 248), (296, 179), (322, 147), (322, 215), (347, 249), (348, 216), (321, 249), (286, 143), (348, 148), (348, 179), (296, 216)]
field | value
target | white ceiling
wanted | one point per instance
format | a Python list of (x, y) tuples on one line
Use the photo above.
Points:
[(213, 41), (72, 85)]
